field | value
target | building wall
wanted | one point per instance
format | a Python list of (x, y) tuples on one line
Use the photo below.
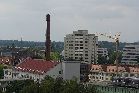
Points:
[(56, 71), (113, 69), (7, 73), (15, 74), (99, 76), (107, 72), (27, 75), (130, 54), (81, 46), (84, 72), (71, 70), (102, 52)]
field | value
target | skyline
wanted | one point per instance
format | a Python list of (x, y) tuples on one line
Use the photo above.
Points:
[(26, 18)]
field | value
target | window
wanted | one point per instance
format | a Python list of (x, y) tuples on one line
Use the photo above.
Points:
[(76, 54), (86, 54), (81, 54), (76, 57), (78, 34), (76, 48), (6, 72), (70, 44), (81, 47), (81, 41), (60, 72), (70, 47)]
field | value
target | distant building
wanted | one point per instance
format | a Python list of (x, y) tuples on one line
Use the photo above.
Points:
[(102, 52), (81, 46), (130, 54), (84, 72), (99, 73)]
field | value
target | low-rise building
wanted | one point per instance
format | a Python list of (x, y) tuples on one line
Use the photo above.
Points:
[(6, 60), (84, 72), (34, 69), (101, 73)]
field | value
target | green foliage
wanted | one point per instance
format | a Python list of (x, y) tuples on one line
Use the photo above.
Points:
[(111, 45), (1, 71), (102, 60), (50, 85), (55, 56), (16, 86), (1, 89), (55, 46), (112, 57)]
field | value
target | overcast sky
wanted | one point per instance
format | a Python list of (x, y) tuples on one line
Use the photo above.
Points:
[(26, 18)]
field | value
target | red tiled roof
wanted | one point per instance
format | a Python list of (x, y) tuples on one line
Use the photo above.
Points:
[(5, 60), (37, 66), (123, 68)]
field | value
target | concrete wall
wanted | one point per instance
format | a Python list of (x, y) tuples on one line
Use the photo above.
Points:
[(71, 69), (56, 71)]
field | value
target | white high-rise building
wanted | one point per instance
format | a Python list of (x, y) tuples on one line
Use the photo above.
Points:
[(81, 46), (130, 54)]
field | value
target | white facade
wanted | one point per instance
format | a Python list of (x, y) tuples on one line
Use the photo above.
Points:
[(103, 52), (99, 76), (81, 46), (7, 73), (130, 54), (71, 70), (15, 74)]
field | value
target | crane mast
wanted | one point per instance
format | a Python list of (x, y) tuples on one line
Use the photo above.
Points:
[(116, 40)]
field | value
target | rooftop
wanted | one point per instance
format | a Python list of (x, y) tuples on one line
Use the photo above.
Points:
[(36, 66)]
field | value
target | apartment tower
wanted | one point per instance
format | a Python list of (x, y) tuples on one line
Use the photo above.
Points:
[(81, 46)]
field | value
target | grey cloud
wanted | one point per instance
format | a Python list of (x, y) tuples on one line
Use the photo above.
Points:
[(26, 18)]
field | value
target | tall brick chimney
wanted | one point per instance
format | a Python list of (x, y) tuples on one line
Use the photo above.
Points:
[(48, 41)]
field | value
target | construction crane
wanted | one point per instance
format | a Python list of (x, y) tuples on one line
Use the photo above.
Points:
[(116, 40)]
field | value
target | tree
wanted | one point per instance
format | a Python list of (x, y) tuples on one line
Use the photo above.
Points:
[(50, 85), (102, 60), (17, 85), (112, 57), (1, 71), (55, 56)]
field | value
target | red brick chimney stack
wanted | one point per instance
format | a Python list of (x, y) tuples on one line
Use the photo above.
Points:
[(48, 41)]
